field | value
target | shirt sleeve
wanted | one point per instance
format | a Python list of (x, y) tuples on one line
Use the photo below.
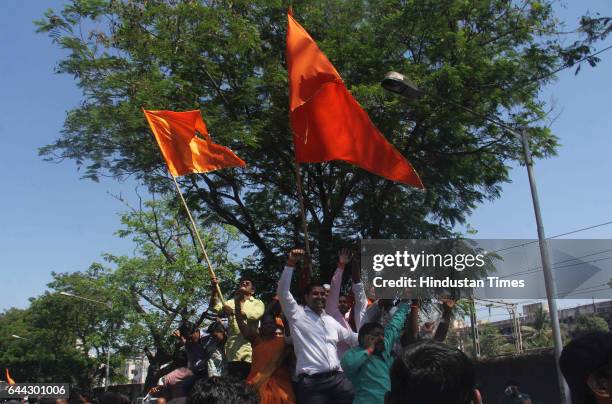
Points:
[(353, 360), (218, 307), (361, 303), (394, 328), (331, 303), (347, 335), (290, 307), (372, 314), (254, 310)]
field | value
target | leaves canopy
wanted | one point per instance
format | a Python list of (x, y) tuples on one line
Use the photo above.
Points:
[(227, 59)]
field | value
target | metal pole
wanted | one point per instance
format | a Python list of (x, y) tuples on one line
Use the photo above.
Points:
[(474, 326), (108, 350), (549, 280), (520, 333), (107, 379)]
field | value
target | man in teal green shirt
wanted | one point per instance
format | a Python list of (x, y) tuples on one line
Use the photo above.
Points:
[(367, 366)]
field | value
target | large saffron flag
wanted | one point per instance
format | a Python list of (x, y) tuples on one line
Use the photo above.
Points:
[(183, 150), (328, 123)]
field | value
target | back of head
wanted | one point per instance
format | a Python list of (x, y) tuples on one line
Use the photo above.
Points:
[(111, 397), (589, 355), (225, 390), (430, 372)]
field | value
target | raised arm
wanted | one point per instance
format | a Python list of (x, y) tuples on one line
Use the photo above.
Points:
[(411, 331), (444, 325), (290, 307), (361, 301), (247, 332), (393, 329), (331, 303), (215, 304)]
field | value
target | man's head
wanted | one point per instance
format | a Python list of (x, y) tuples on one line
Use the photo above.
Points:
[(327, 288), (188, 331), (586, 364), (315, 297), (431, 372), (217, 331), (372, 335), (246, 286), (225, 390), (344, 304)]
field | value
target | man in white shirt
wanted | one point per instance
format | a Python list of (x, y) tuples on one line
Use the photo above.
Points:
[(315, 336)]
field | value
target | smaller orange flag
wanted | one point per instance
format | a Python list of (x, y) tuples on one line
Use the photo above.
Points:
[(182, 149), (8, 377)]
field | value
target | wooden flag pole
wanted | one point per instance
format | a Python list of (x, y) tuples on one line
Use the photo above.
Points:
[(298, 178), (197, 233)]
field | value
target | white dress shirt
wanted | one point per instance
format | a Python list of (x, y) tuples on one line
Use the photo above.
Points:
[(315, 336)]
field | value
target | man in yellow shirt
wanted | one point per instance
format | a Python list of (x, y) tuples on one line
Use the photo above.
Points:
[(237, 349)]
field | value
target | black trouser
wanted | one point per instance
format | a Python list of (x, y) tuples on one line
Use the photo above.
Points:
[(239, 370), (324, 388)]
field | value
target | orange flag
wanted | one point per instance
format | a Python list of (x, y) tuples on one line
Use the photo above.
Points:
[(328, 123), (183, 151), (8, 377)]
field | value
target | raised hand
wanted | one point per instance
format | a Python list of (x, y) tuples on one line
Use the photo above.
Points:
[(344, 256), (295, 256), (447, 303)]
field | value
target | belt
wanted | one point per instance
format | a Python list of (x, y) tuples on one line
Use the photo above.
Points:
[(321, 375)]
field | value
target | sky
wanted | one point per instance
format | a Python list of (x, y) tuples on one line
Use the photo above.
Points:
[(51, 220)]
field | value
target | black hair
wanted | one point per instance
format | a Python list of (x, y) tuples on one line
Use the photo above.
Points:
[(186, 329), (311, 286), (366, 329), (111, 397), (589, 355), (216, 326), (226, 390), (180, 358), (430, 372)]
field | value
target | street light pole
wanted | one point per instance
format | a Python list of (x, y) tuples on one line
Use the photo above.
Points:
[(110, 338), (397, 83)]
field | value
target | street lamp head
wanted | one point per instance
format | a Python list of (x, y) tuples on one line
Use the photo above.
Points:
[(66, 294), (399, 84)]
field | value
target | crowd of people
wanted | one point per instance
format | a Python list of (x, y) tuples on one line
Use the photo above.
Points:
[(323, 346), (334, 348)]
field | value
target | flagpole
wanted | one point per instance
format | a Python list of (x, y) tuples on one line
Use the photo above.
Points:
[(298, 178), (197, 233)]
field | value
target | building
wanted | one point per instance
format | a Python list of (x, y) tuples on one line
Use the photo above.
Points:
[(135, 370)]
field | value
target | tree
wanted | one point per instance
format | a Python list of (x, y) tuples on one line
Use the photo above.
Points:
[(539, 335), (492, 342), (589, 323), (55, 336), (151, 293), (166, 282), (227, 59)]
